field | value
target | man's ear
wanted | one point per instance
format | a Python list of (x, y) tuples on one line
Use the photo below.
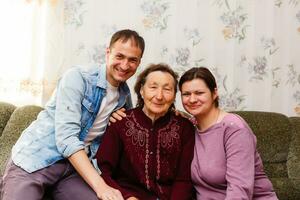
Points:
[(107, 51)]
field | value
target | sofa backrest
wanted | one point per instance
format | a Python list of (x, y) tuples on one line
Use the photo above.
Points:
[(18, 121), (6, 110), (274, 134)]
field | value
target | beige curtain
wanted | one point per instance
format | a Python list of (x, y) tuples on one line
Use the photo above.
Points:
[(32, 53)]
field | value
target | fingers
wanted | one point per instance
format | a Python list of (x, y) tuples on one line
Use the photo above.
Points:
[(112, 194), (112, 119), (181, 113), (117, 115), (121, 112)]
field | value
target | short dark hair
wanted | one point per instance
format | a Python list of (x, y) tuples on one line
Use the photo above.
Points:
[(125, 35), (142, 77), (202, 73)]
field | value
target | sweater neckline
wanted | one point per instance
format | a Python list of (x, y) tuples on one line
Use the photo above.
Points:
[(212, 127)]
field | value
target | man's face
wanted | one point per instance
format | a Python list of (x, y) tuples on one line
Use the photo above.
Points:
[(122, 60)]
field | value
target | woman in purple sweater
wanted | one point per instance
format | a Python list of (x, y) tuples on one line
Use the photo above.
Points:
[(226, 164)]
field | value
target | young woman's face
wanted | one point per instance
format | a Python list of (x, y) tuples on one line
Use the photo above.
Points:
[(196, 97)]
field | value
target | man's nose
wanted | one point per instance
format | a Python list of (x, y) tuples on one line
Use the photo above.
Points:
[(125, 64)]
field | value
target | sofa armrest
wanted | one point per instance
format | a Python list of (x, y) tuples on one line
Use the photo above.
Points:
[(293, 163), (19, 120)]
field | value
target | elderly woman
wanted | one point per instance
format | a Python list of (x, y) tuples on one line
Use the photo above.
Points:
[(147, 155), (226, 164)]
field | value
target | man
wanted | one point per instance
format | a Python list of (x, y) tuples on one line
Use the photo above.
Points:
[(56, 150)]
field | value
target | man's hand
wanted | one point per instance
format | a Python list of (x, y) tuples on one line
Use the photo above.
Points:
[(110, 193), (118, 115)]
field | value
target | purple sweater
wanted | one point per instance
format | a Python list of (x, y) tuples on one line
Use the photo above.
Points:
[(226, 164)]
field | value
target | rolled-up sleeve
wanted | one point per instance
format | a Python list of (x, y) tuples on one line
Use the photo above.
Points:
[(70, 93)]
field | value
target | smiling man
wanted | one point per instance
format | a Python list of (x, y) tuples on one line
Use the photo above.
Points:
[(56, 151)]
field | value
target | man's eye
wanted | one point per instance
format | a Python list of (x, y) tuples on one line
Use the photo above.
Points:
[(133, 61)]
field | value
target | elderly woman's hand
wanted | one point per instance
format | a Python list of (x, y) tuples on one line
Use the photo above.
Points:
[(118, 115), (132, 198)]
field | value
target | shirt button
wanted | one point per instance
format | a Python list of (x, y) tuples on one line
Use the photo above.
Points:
[(151, 152), (151, 129)]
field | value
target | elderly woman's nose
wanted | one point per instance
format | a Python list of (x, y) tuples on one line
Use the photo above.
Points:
[(159, 94)]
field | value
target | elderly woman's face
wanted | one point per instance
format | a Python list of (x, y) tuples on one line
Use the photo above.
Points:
[(158, 93)]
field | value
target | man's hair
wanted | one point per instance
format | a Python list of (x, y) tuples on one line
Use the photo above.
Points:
[(203, 74), (125, 35), (142, 77)]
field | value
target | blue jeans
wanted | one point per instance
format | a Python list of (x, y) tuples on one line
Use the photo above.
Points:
[(61, 177)]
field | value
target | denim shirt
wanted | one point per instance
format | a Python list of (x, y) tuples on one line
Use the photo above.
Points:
[(60, 129)]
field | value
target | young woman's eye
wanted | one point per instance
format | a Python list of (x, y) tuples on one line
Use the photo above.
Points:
[(199, 93), (185, 94)]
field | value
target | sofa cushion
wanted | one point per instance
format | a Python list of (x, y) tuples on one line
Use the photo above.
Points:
[(6, 110), (293, 163), (273, 132), (19, 120), (286, 189)]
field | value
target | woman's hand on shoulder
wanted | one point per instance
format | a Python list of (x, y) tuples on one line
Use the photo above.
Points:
[(117, 116), (181, 113)]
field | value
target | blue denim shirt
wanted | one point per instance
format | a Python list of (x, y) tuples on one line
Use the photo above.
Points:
[(60, 129)]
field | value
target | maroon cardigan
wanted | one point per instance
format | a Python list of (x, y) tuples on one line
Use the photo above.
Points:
[(146, 160)]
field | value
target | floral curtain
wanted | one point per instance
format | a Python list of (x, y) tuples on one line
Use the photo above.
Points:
[(252, 47)]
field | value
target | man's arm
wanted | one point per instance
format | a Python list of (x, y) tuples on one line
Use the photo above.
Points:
[(86, 170), (68, 113)]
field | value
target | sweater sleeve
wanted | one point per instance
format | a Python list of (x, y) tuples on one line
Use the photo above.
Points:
[(108, 157), (182, 188), (240, 146)]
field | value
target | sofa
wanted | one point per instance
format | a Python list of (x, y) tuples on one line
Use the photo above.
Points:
[(278, 141)]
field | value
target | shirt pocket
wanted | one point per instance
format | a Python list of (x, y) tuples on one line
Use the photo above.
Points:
[(87, 111)]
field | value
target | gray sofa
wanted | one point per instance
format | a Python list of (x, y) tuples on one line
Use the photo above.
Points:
[(278, 143)]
